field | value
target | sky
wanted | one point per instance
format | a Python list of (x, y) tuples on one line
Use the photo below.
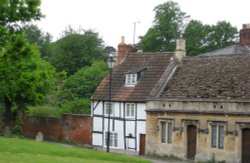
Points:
[(115, 18)]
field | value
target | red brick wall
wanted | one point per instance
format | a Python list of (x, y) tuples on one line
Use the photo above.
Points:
[(77, 128), (49, 126), (71, 128)]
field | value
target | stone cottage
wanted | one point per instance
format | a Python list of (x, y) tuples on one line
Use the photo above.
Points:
[(203, 111)]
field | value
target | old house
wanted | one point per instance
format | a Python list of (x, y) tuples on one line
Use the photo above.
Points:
[(203, 111), (136, 77)]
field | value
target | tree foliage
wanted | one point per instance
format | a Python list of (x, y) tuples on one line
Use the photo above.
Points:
[(196, 35), (16, 11), (84, 82), (202, 38), (76, 106), (36, 37), (221, 35), (168, 24), (75, 51), (24, 77)]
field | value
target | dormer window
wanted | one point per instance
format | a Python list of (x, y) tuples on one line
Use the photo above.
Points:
[(134, 74), (131, 79)]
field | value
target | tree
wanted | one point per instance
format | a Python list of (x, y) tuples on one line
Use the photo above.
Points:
[(24, 77), (202, 38), (16, 11), (221, 35), (109, 49), (168, 24), (18, 58), (76, 90), (196, 35), (75, 51), (84, 82), (36, 37)]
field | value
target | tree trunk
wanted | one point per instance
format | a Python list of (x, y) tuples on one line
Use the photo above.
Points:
[(7, 113)]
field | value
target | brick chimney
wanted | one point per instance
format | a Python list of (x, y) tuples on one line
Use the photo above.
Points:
[(123, 49), (245, 34), (180, 51)]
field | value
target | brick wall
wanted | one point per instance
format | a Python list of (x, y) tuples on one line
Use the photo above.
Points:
[(50, 127), (77, 128), (70, 128)]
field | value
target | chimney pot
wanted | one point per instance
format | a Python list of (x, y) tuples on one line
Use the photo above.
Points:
[(244, 26), (122, 40), (248, 26)]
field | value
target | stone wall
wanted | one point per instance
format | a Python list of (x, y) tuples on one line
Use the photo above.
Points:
[(69, 128), (182, 117)]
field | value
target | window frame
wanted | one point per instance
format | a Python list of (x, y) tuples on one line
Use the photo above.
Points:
[(106, 109), (166, 132), (131, 79), (113, 139), (217, 136), (129, 110)]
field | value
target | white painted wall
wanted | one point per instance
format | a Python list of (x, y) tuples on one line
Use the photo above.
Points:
[(118, 125), (97, 139)]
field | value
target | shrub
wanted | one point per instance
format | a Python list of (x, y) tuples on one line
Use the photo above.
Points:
[(44, 111), (77, 106)]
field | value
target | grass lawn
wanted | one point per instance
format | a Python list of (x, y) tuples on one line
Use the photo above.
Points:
[(29, 151)]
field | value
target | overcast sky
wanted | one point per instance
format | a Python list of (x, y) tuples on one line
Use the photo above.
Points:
[(115, 18)]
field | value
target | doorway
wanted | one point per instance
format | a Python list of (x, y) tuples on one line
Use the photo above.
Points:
[(191, 141), (246, 145), (142, 144)]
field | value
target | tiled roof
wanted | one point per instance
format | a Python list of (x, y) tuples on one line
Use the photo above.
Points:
[(153, 64), (230, 50), (225, 77)]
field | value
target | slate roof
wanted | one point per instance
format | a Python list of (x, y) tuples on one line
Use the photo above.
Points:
[(225, 77), (150, 65), (230, 50)]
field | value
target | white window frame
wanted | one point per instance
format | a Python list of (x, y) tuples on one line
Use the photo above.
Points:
[(106, 104), (113, 139), (131, 79), (166, 132), (217, 136), (130, 110)]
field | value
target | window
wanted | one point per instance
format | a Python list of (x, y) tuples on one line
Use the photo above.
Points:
[(131, 79), (130, 110), (113, 139), (166, 132), (109, 108), (217, 136)]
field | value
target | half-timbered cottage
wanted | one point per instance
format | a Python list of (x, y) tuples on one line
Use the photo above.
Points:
[(136, 77)]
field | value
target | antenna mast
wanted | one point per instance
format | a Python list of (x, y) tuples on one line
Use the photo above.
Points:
[(134, 33)]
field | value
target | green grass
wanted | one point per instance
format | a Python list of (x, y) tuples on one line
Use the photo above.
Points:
[(29, 151)]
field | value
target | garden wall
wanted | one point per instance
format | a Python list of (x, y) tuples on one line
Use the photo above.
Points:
[(70, 128)]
